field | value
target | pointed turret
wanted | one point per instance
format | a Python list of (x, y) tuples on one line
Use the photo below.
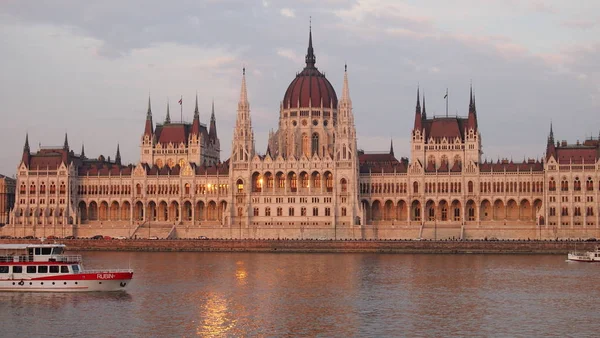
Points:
[(168, 118), (26, 150), (392, 147), (418, 118), (472, 119), (82, 155), (550, 146), (66, 144), (310, 54), (149, 128), (212, 130), (196, 121), (243, 135), (118, 156), (345, 89), (424, 113)]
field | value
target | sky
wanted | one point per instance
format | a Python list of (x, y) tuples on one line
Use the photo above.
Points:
[(87, 67)]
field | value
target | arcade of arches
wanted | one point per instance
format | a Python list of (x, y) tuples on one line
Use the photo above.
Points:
[(451, 211)]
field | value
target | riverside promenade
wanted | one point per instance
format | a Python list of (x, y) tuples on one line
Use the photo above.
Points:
[(332, 246)]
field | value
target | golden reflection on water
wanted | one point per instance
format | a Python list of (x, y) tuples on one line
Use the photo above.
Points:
[(214, 317), (240, 273)]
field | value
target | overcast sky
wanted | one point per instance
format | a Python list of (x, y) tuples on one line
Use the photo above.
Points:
[(86, 67)]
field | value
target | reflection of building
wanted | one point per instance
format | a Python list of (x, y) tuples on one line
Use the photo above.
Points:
[(7, 198), (312, 182)]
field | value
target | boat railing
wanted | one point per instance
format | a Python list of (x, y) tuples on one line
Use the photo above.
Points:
[(30, 258), (107, 271)]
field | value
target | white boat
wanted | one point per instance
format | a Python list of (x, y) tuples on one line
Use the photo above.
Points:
[(45, 268), (585, 256)]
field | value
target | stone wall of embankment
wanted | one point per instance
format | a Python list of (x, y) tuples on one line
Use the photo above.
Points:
[(308, 246)]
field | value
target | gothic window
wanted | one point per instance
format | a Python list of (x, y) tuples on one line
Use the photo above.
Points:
[(589, 185), (577, 184), (138, 189), (444, 160), (293, 182), (279, 211), (552, 184), (415, 187), (431, 160), (62, 188), (303, 211), (315, 143), (291, 211), (564, 185), (240, 186), (315, 211), (43, 188), (317, 180), (268, 211), (32, 188), (344, 185), (187, 188), (305, 148), (329, 182), (344, 212), (255, 211), (22, 189)]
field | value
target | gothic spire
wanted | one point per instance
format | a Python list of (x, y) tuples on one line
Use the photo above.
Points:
[(391, 146), (26, 147), (66, 144), (310, 54), (196, 111), (418, 107), (418, 117), (243, 104), (424, 114), (551, 136), (168, 118), (471, 105), (346, 90), (82, 151), (149, 113), (212, 130), (118, 156)]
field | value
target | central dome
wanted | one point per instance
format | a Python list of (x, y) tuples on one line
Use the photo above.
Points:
[(310, 86)]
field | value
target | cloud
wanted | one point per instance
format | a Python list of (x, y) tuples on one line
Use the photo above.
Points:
[(289, 54), (579, 24), (287, 12)]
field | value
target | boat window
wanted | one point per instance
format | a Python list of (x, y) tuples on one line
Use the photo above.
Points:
[(38, 251), (64, 269), (53, 268), (57, 251), (75, 268), (17, 269), (31, 268), (30, 251), (43, 269), (3, 268), (46, 251)]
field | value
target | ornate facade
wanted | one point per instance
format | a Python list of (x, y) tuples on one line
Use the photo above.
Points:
[(312, 181)]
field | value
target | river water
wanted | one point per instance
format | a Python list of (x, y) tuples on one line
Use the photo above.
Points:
[(281, 294)]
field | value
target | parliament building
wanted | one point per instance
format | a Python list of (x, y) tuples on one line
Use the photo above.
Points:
[(311, 181)]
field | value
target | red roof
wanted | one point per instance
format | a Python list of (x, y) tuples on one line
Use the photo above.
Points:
[(310, 86), (577, 155), (448, 127)]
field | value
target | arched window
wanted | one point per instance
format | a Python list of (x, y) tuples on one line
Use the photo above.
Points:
[(240, 186), (305, 148), (415, 187), (564, 185), (470, 187), (63, 188), (138, 189), (329, 182), (32, 188), (589, 184), (187, 188), (577, 184), (315, 144), (344, 185), (552, 184)]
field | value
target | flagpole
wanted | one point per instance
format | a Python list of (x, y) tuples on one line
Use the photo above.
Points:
[(446, 102), (181, 107)]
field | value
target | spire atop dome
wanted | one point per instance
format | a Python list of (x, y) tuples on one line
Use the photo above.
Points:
[(310, 54)]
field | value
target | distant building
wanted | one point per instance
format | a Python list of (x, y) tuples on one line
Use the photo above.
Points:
[(312, 181), (7, 198)]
